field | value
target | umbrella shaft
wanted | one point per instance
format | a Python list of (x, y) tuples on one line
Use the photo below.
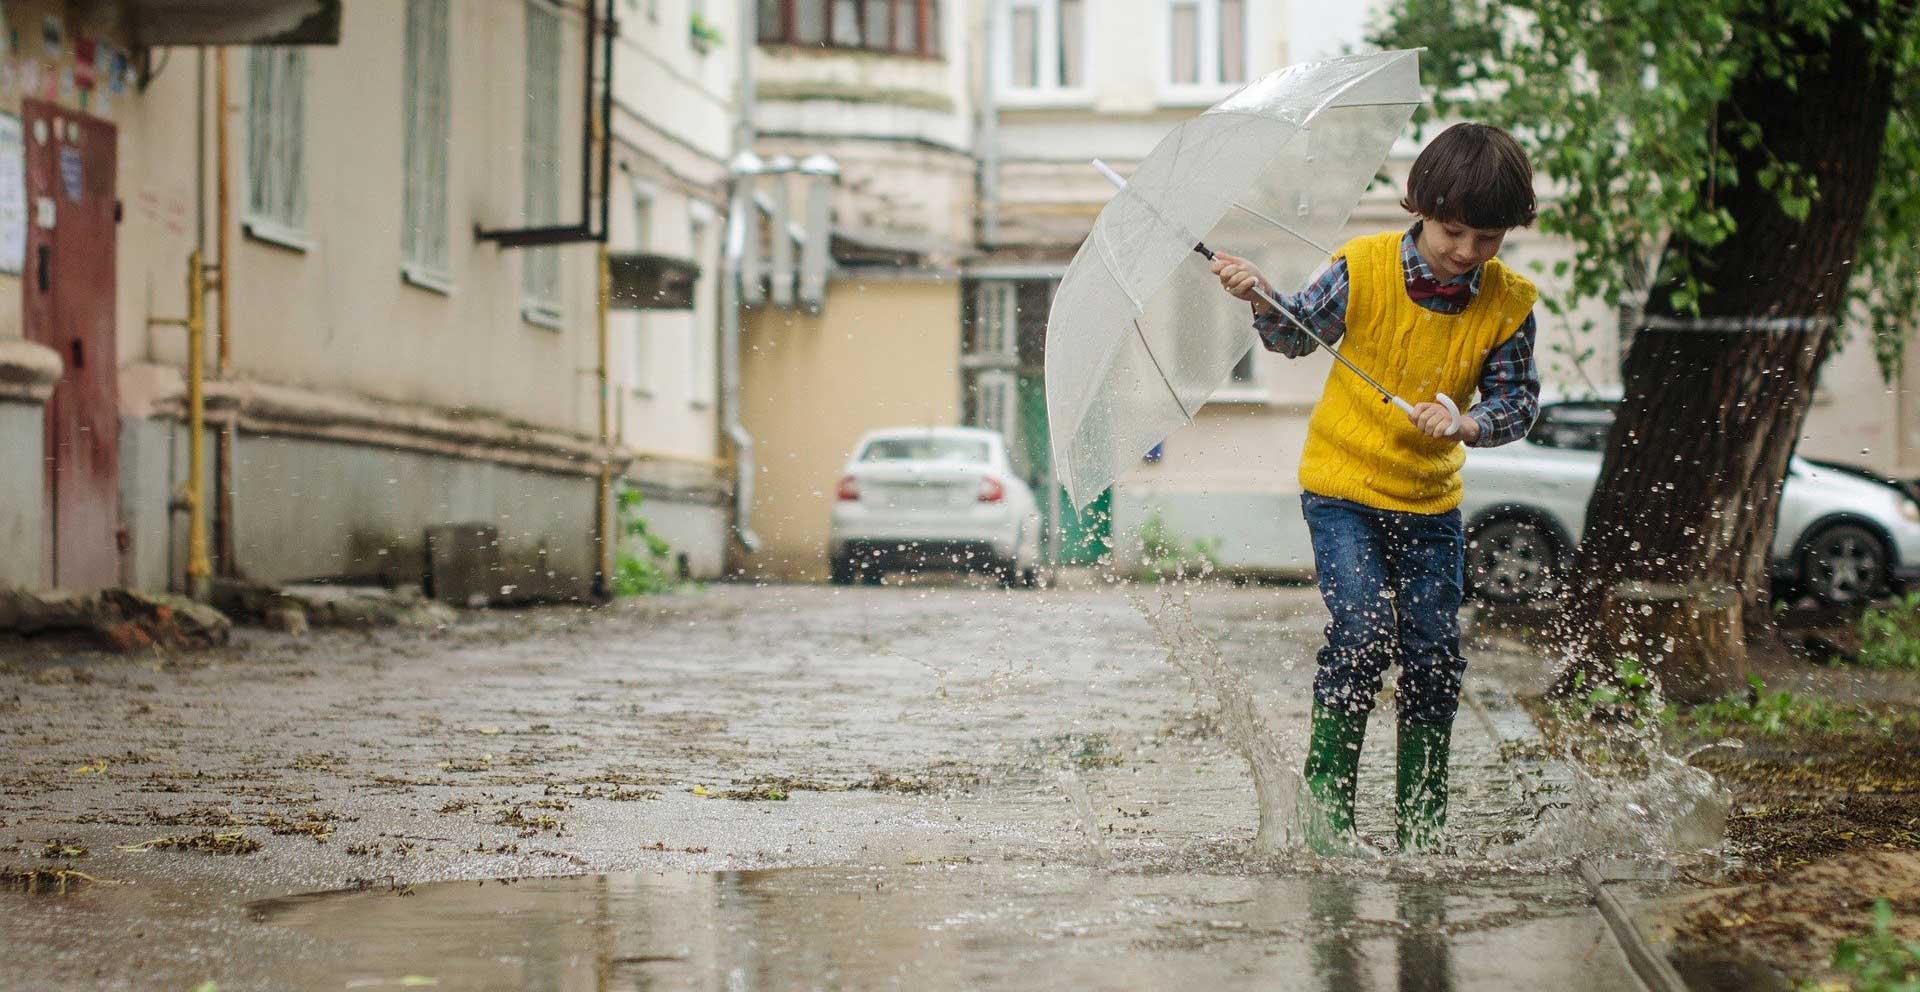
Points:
[(1384, 392)]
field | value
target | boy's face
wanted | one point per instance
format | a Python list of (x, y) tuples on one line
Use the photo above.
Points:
[(1453, 248)]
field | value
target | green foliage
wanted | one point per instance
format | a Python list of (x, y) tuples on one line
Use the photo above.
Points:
[(1890, 637), (702, 34), (1628, 107), (634, 575), (1165, 554), (1628, 694), (1774, 713), (1879, 961)]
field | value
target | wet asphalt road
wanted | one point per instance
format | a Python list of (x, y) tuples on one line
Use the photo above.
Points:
[(753, 787)]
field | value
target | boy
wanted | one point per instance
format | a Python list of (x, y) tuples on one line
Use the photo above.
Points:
[(1427, 311)]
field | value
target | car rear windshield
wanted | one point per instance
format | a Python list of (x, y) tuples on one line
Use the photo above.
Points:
[(1575, 426), (924, 449)]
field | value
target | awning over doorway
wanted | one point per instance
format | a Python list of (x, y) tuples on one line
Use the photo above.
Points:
[(639, 281), (234, 22)]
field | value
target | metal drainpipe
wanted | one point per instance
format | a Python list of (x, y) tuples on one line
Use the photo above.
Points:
[(739, 212), (223, 537), (609, 538), (198, 568), (990, 139)]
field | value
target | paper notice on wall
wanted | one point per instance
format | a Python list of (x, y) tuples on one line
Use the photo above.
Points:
[(13, 195)]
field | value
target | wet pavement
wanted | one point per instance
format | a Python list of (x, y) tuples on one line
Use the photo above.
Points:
[(780, 787)]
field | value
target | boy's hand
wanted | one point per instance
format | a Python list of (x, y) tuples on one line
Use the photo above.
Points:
[(1433, 420), (1239, 278)]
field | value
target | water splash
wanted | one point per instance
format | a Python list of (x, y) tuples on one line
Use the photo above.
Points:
[(1076, 791), (1276, 778), (1641, 799)]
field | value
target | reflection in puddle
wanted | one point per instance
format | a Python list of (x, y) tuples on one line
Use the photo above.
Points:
[(953, 926)]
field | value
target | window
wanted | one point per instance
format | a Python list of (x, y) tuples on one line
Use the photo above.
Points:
[(907, 27), (642, 325), (1573, 426), (1045, 46), (423, 231), (276, 117), (1206, 44), (702, 347), (541, 275), (927, 448)]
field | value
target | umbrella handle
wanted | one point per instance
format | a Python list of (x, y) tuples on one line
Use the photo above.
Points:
[(1452, 408)]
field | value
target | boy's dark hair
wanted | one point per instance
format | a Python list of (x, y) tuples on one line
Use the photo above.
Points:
[(1472, 174)]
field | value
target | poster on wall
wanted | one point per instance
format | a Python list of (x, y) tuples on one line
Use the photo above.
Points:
[(13, 195)]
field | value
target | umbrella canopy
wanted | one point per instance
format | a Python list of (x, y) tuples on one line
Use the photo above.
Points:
[(1140, 334)]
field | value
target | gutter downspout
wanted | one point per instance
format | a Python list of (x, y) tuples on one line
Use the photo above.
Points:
[(608, 539), (739, 212), (223, 537), (989, 132)]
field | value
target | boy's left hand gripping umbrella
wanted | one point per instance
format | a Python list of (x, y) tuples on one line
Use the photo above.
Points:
[(1135, 346)]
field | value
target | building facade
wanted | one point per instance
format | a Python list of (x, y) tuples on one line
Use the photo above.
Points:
[(883, 89), (387, 355)]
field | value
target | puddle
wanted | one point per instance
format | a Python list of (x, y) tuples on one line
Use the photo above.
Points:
[(954, 926)]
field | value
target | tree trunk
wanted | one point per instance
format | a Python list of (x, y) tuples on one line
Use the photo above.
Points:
[(1691, 481)]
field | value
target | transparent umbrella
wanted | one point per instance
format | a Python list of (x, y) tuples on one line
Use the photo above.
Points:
[(1140, 334)]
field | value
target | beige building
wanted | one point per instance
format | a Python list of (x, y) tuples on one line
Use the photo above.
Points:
[(80, 216), (402, 238), (883, 91)]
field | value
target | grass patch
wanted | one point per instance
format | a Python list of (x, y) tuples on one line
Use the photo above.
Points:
[(204, 843), (1890, 635), (1777, 712), (1879, 961)]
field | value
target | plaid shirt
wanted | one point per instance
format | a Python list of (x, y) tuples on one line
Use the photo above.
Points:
[(1509, 381)]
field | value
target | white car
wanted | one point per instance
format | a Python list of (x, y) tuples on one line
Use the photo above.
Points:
[(1841, 536), (943, 498)]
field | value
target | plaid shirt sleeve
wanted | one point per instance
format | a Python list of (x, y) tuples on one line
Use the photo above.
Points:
[(1321, 306), (1509, 390)]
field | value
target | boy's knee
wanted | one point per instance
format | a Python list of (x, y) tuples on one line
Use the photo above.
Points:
[(1431, 676), (1349, 677)]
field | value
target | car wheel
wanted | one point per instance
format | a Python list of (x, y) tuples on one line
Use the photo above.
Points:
[(1030, 578), (1511, 561), (840, 571), (1843, 564)]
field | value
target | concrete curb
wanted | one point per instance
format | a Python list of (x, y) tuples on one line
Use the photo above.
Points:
[(1538, 778), (1655, 971)]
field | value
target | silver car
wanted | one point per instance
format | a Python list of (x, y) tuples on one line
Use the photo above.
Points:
[(942, 498), (1840, 537)]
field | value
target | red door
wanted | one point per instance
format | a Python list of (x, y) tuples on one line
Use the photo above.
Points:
[(69, 307)]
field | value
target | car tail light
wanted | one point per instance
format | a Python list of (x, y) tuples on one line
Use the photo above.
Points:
[(849, 490), (991, 490)]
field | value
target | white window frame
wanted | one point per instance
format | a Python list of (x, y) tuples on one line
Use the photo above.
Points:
[(644, 197), (704, 389), (275, 164), (1048, 91), (426, 244), (1250, 390), (1209, 88), (541, 279)]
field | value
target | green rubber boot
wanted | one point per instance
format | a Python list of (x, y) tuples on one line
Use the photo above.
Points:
[(1333, 767), (1420, 794)]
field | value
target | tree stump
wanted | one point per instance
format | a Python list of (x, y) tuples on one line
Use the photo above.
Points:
[(1692, 636)]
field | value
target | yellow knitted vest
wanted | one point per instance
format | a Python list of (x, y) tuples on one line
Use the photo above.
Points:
[(1361, 448)]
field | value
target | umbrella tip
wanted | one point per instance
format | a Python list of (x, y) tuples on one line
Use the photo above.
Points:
[(1112, 176)]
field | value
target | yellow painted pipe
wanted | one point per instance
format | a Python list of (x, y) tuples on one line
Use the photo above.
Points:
[(608, 539), (198, 567)]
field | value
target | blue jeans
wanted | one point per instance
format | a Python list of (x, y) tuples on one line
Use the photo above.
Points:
[(1393, 583)]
